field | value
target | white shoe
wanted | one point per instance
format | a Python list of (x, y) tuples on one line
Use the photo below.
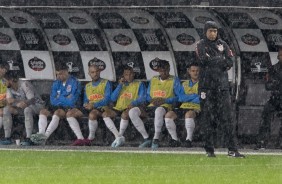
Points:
[(114, 143), (120, 141)]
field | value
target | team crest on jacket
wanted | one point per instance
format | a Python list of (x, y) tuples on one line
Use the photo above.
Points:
[(203, 95), (69, 88), (220, 47)]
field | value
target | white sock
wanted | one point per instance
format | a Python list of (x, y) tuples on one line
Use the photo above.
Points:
[(42, 123), (93, 125), (190, 126), (134, 115), (1, 122), (122, 127), (53, 125), (75, 127), (111, 126), (28, 116), (171, 127), (159, 121), (7, 122)]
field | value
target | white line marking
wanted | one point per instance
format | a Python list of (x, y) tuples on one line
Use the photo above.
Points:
[(189, 152)]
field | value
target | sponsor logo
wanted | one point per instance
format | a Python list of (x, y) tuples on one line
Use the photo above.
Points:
[(61, 39), (159, 93), (2, 96), (139, 20), (48, 20), (36, 64), (202, 19), (13, 65), (268, 20), (97, 62), (5, 39), (89, 39), (122, 39), (111, 20), (136, 69), (78, 20), (250, 40), (185, 39), (240, 18), (276, 38), (95, 97), (71, 67), (256, 67), (151, 38), (30, 38), (126, 96), (18, 20), (154, 64)]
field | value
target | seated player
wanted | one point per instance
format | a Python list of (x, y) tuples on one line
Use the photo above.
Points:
[(129, 96), (163, 91), (191, 103), (97, 95), (22, 99), (64, 96)]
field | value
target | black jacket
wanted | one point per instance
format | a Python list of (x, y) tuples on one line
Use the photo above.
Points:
[(274, 81), (215, 58)]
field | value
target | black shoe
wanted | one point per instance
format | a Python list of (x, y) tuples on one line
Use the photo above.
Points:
[(27, 142), (235, 154), (260, 145), (188, 144), (174, 143), (210, 154)]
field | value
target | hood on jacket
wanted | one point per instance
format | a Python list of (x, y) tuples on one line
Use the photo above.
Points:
[(208, 25)]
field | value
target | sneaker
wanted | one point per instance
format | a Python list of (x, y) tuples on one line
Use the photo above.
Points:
[(155, 144), (87, 142), (120, 141), (210, 154), (261, 145), (6, 141), (235, 154), (78, 142), (174, 143), (38, 139), (146, 144), (188, 143), (113, 145), (27, 142)]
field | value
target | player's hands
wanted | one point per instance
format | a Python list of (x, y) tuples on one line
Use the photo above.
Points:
[(21, 105), (121, 80), (88, 106), (130, 106), (158, 101), (3, 102)]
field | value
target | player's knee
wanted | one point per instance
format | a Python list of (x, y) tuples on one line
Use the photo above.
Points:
[(92, 116), (125, 115), (27, 110), (170, 115), (190, 114), (44, 112)]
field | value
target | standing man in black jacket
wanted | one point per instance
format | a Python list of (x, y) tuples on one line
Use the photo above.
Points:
[(273, 84), (215, 59)]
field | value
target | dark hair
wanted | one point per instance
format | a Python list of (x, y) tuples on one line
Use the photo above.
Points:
[(126, 67), (11, 75), (61, 66), (193, 64), (164, 64), (4, 64)]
